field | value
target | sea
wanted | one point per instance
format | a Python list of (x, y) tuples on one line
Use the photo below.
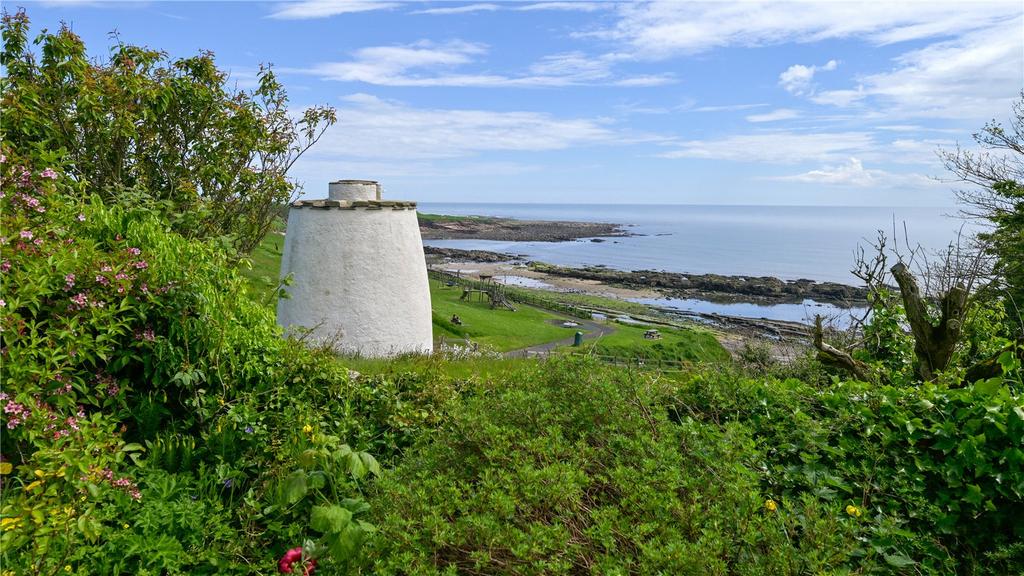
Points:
[(788, 242)]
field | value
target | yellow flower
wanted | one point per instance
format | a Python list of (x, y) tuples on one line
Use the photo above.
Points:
[(5, 468), (770, 505), (39, 473), (126, 526), (307, 429), (67, 567), (10, 522), (853, 511)]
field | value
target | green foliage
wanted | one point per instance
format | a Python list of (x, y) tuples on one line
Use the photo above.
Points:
[(568, 467), (140, 383), (925, 465), (1006, 243), (168, 134)]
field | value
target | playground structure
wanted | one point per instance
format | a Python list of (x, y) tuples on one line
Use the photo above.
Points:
[(489, 290)]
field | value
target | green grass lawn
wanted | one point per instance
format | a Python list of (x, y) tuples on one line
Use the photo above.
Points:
[(266, 265), (500, 328), (681, 345)]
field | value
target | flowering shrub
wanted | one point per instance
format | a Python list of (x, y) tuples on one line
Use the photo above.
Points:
[(122, 344)]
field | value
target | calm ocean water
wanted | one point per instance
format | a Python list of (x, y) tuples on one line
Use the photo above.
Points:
[(788, 242)]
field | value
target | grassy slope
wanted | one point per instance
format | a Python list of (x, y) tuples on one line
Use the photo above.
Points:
[(501, 329), (266, 264), (675, 345)]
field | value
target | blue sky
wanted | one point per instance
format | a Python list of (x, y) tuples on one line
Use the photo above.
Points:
[(598, 102)]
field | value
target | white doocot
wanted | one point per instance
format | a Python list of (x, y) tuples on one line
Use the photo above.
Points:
[(359, 279)]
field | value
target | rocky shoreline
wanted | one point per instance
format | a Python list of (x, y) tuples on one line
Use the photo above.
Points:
[(433, 227), (766, 289), (711, 287), (457, 255)]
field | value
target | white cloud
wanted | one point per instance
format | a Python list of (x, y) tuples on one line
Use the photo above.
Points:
[(372, 128), (853, 173), (797, 79), (777, 147), (774, 115), (430, 64), (728, 108), (662, 29), (307, 9), (567, 6), (974, 76), (517, 7), (464, 9)]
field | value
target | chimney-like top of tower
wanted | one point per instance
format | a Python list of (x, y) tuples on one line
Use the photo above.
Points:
[(354, 190)]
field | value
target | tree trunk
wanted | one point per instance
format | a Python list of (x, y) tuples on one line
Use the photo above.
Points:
[(833, 356), (933, 344)]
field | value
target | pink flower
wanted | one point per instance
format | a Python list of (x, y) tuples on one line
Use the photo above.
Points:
[(3, 158), (5, 266), (79, 301), (105, 268), (102, 279), (81, 217), (134, 251), (26, 235), (48, 173), (3, 303), (141, 265), (69, 281)]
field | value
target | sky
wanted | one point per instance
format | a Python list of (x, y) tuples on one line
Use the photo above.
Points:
[(798, 103)]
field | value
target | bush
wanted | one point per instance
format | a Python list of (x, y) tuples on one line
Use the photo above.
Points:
[(925, 466), (568, 467), (156, 421)]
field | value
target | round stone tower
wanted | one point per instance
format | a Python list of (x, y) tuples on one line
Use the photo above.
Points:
[(359, 276)]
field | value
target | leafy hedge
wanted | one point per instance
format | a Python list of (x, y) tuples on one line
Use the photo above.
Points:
[(155, 420), (571, 467)]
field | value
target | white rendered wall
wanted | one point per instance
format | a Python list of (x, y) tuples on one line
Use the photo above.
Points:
[(354, 190), (359, 278)]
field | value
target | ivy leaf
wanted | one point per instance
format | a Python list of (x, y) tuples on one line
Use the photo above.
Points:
[(974, 495), (988, 387)]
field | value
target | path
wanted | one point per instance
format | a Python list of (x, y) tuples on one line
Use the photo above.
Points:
[(591, 330)]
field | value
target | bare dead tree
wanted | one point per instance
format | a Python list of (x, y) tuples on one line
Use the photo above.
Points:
[(935, 290), (832, 356)]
